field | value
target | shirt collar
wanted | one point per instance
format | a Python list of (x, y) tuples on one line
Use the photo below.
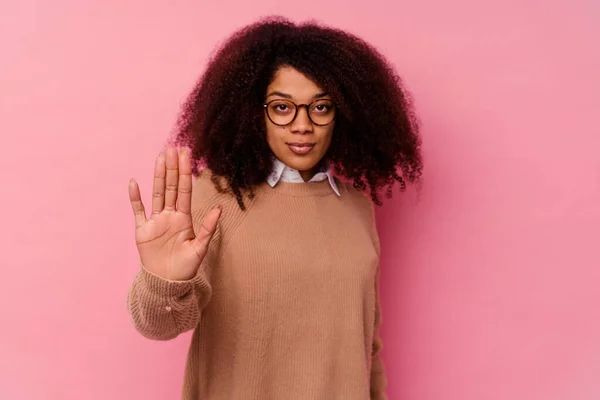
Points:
[(283, 173)]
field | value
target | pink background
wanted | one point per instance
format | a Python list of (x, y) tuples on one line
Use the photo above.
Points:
[(491, 282)]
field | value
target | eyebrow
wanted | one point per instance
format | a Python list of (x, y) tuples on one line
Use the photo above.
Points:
[(289, 96)]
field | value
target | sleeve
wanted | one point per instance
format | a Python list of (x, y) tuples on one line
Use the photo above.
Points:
[(162, 309), (378, 377)]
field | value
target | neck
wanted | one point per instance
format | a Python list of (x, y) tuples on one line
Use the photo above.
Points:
[(307, 175)]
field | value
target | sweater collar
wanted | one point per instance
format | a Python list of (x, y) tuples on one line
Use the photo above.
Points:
[(283, 173)]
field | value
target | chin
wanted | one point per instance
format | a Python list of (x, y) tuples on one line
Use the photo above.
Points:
[(301, 163)]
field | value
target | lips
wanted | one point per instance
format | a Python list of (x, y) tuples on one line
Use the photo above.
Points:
[(301, 148)]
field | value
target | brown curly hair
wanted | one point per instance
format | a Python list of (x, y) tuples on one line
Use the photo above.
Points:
[(376, 138)]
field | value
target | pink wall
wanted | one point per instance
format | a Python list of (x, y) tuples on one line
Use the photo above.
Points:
[(491, 282)]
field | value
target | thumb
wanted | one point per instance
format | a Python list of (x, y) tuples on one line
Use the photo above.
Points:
[(208, 226)]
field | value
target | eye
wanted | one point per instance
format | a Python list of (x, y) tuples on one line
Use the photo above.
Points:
[(322, 107), (281, 107)]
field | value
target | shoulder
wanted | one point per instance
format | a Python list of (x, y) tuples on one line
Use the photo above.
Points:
[(203, 181), (206, 193), (364, 208), (357, 198), (210, 191)]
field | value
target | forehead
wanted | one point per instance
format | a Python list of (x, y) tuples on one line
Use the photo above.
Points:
[(291, 81)]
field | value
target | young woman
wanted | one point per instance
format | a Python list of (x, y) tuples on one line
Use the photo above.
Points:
[(271, 260)]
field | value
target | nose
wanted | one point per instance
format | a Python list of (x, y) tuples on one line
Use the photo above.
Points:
[(301, 124)]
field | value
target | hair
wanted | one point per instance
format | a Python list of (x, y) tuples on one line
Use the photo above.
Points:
[(375, 142)]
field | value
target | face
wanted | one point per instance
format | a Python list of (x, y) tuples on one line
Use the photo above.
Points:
[(301, 144)]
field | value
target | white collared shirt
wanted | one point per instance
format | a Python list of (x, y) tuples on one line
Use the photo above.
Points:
[(283, 173)]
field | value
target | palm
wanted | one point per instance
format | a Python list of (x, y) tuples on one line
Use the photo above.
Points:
[(165, 227), (166, 241)]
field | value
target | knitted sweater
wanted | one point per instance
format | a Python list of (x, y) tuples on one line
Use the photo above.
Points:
[(285, 305)]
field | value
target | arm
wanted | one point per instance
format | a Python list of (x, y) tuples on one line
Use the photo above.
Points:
[(378, 382), (378, 378), (176, 244), (162, 309)]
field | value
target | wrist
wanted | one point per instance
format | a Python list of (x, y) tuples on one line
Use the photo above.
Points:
[(164, 286)]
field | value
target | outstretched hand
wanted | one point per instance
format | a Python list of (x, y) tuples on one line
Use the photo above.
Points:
[(166, 241)]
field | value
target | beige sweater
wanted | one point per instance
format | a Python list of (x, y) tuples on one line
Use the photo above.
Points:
[(285, 306)]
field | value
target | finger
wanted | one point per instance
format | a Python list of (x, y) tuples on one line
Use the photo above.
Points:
[(184, 190), (172, 178), (136, 203), (158, 188), (206, 230)]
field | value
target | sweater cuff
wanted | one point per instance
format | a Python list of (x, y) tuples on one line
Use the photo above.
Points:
[(166, 288)]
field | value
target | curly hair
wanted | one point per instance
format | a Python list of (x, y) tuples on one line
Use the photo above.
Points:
[(375, 141)]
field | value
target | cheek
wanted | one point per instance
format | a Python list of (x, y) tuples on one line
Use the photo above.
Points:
[(275, 135), (327, 136)]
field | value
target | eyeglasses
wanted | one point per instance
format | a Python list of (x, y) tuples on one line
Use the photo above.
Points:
[(283, 112)]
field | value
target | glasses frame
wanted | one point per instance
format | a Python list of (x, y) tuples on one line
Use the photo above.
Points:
[(298, 106)]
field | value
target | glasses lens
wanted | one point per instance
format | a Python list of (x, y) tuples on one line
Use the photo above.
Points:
[(322, 112), (281, 112)]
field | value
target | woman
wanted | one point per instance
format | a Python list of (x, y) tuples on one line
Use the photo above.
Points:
[(271, 260)]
